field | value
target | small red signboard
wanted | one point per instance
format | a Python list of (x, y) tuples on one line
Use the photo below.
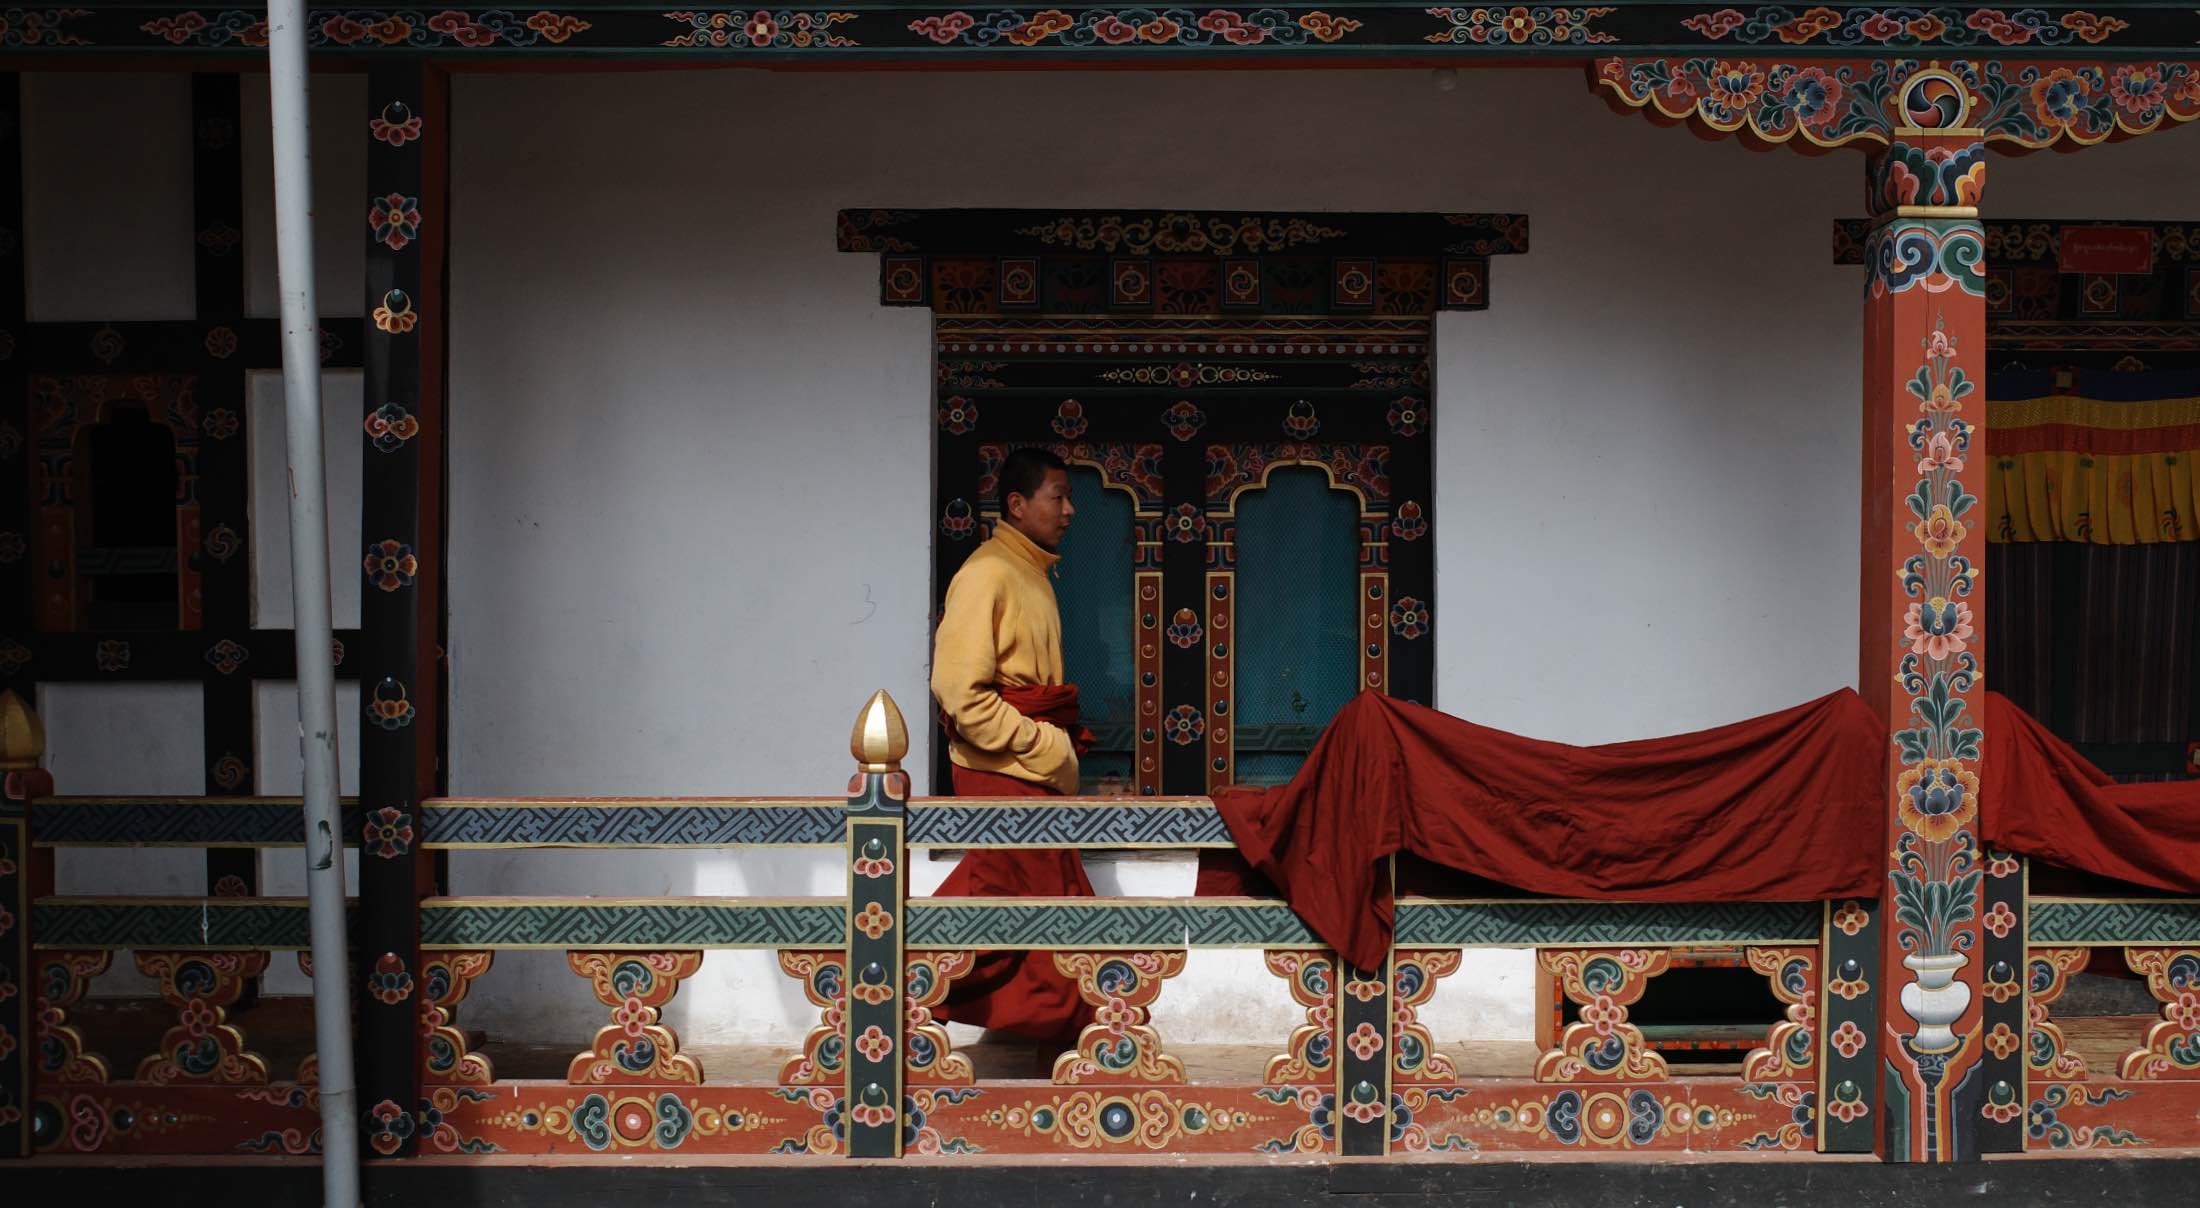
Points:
[(2107, 249)]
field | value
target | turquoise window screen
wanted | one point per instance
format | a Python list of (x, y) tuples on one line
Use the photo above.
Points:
[(1095, 590), (1298, 615)]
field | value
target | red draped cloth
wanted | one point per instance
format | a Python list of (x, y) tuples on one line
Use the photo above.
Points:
[(1020, 992), (1785, 807), (2038, 797)]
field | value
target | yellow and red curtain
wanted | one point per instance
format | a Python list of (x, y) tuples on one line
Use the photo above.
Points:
[(2067, 467)]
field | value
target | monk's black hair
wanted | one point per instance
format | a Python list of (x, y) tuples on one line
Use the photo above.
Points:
[(1024, 471)]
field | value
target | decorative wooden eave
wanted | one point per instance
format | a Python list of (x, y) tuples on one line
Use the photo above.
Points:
[(1342, 32), (972, 262), (2015, 104)]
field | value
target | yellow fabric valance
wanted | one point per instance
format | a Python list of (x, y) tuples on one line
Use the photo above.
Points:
[(2067, 468)]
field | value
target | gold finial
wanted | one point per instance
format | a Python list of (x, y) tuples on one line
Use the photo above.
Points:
[(22, 735), (881, 738)]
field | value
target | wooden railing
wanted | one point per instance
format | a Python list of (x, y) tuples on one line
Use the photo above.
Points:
[(878, 1076)]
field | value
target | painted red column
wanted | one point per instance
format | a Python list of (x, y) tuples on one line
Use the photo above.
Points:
[(1922, 642)]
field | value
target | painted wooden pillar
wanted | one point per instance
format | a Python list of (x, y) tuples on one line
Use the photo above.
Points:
[(1922, 614), (400, 606), (873, 1036)]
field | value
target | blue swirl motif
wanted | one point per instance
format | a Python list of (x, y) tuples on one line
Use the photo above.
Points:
[(1116, 978), (592, 1122), (674, 1120), (1563, 1117), (1934, 254), (1644, 1117)]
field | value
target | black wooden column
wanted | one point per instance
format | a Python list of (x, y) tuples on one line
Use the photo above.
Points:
[(225, 466), (16, 569), (401, 541)]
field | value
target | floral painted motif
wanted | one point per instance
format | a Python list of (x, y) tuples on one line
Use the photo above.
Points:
[(391, 565), (389, 983), (1411, 522), (1521, 25), (1408, 416), (958, 415), (1184, 630), (221, 423), (389, 707), (760, 29), (388, 1127), (874, 920), (226, 656), (388, 833), (221, 342), (1850, 918), (1184, 725), (395, 125), (1848, 1039), (395, 220), (1937, 628), (1937, 799), (394, 314), (112, 655), (1183, 419), (874, 1044), (957, 521), (390, 426), (1846, 1102), (1187, 523), (1300, 422), (1069, 419), (1409, 618)]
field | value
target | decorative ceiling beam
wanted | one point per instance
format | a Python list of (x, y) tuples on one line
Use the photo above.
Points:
[(1344, 31)]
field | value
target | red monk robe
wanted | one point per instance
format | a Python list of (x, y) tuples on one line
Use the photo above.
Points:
[(1020, 992)]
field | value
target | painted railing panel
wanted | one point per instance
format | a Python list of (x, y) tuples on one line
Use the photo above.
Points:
[(878, 1077)]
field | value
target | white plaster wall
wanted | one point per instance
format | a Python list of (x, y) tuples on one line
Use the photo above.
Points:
[(690, 484)]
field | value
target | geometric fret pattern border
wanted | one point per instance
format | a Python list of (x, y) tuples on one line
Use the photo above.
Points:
[(177, 822), (696, 823), (1036, 923), (1562, 922), (1147, 824), (633, 924), (1105, 923), (2110, 922), (176, 923)]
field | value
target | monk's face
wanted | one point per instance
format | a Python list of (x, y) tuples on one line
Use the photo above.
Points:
[(1044, 514)]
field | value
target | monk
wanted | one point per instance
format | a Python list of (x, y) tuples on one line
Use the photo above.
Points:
[(1012, 731)]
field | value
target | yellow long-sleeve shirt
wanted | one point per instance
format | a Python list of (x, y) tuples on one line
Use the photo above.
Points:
[(1002, 628)]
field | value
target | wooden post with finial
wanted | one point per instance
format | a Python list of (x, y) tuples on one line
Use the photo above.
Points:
[(23, 876), (877, 900)]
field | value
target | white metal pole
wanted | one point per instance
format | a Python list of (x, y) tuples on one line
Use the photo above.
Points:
[(309, 591)]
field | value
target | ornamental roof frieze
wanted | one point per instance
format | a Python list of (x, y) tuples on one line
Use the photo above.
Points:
[(1341, 31)]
